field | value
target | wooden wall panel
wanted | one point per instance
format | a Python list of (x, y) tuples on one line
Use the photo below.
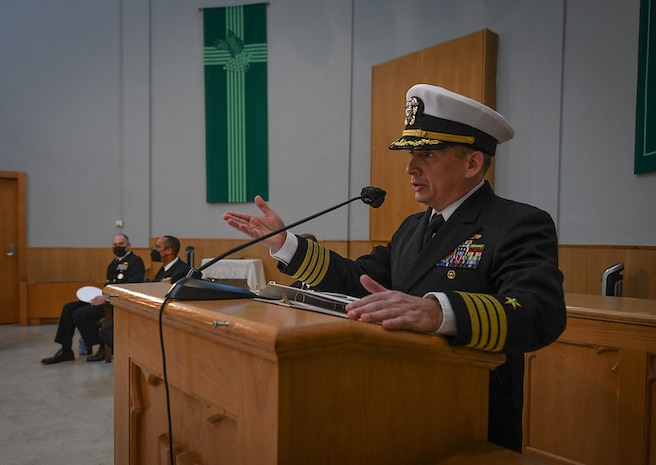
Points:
[(583, 266), (390, 81), (83, 264), (41, 303), (466, 65), (89, 264), (55, 272)]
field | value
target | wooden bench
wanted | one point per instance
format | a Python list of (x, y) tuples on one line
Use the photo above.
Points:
[(485, 453), (42, 302)]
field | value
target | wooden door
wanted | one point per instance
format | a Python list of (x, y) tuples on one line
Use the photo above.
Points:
[(12, 243), (466, 65)]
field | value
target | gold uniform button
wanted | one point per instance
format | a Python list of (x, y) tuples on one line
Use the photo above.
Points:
[(451, 274)]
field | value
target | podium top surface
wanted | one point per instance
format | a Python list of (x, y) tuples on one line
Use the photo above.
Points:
[(613, 309), (274, 328)]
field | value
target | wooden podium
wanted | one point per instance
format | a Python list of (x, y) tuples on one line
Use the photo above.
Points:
[(590, 397), (257, 383)]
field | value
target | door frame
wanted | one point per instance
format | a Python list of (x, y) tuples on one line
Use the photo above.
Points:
[(21, 247)]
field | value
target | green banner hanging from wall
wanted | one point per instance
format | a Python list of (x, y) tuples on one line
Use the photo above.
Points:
[(645, 142), (235, 58)]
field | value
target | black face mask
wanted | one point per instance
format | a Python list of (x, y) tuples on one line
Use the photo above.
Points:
[(119, 251), (155, 255)]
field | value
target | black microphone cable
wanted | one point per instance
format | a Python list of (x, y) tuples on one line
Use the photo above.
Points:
[(166, 380)]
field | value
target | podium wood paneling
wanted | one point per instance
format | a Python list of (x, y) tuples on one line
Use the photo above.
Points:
[(591, 395), (256, 383), (466, 65)]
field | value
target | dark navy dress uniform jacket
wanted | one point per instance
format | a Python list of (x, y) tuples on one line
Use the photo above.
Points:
[(496, 260)]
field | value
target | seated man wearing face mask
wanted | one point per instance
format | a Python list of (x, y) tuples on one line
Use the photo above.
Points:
[(166, 251), (125, 268)]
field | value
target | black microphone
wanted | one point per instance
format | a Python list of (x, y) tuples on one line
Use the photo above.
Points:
[(373, 196), (193, 287), (190, 255)]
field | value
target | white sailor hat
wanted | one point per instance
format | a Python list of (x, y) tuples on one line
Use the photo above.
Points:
[(437, 118)]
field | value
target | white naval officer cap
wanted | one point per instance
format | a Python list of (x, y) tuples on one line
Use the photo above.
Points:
[(436, 118)]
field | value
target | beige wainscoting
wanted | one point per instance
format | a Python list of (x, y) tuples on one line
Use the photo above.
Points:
[(583, 266), (54, 272)]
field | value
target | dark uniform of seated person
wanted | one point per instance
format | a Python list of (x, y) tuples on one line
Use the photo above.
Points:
[(125, 268), (483, 273), (173, 269)]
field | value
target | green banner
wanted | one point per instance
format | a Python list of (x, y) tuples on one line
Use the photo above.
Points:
[(235, 52), (645, 142)]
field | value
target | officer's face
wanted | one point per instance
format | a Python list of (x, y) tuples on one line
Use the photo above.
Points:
[(162, 246), (120, 241), (439, 177)]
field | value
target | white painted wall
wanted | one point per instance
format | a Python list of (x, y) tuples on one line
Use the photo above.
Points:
[(101, 103)]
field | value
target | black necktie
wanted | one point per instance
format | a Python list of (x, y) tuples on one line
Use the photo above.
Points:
[(435, 223)]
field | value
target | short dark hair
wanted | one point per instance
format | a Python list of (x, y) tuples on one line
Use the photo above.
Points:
[(125, 236), (174, 243), (463, 150)]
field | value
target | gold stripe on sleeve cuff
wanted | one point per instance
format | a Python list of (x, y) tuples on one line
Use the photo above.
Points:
[(489, 326), (315, 264)]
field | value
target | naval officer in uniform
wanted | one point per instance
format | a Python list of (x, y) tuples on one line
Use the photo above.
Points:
[(474, 268)]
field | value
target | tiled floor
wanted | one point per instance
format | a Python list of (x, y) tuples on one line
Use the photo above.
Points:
[(58, 414)]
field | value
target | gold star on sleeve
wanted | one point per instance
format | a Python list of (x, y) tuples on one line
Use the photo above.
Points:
[(512, 301)]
